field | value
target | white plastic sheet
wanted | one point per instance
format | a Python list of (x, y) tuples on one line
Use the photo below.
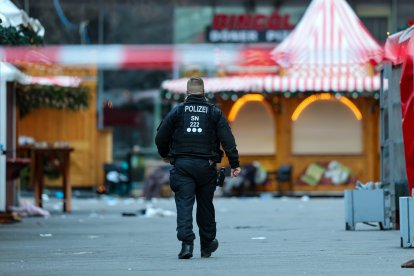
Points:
[(11, 15)]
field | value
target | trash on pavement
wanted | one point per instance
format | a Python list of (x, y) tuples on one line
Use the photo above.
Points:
[(27, 209), (45, 197), (305, 198), (368, 186), (248, 227), (111, 201), (82, 253), (150, 212), (57, 206), (129, 214)]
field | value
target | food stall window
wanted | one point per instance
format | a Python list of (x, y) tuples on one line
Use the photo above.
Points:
[(254, 128), (327, 126)]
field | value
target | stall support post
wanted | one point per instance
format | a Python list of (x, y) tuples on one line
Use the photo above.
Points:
[(157, 118), (3, 128)]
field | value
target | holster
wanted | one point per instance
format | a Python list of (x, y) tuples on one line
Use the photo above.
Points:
[(220, 177)]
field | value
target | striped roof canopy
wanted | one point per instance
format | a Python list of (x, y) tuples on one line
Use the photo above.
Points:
[(328, 35), (329, 51)]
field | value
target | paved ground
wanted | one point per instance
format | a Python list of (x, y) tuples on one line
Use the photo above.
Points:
[(262, 236)]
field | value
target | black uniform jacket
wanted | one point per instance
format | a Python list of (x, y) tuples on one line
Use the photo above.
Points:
[(223, 132)]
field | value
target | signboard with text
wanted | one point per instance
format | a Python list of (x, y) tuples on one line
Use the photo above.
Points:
[(249, 28)]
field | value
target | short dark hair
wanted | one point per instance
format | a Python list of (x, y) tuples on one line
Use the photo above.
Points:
[(195, 86)]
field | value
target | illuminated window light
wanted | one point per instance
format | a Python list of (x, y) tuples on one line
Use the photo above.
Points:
[(242, 101), (326, 97), (351, 106)]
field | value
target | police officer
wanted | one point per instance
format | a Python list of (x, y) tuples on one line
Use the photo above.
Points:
[(189, 138)]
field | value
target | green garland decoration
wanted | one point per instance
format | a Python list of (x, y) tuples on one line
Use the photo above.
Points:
[(234, 96), (31, 97), (20, 35)]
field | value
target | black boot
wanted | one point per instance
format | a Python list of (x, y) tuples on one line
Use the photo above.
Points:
[(186, 251), (207, 249)]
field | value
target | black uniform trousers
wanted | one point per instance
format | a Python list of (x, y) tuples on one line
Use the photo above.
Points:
[(192, 179)]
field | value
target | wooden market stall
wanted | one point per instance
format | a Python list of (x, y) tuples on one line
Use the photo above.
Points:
[(16, 28), (9, 166), (13, 83), (318, 112), (78, 129)]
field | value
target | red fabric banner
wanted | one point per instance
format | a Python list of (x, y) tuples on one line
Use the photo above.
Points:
[(407, 109), (396, 47)]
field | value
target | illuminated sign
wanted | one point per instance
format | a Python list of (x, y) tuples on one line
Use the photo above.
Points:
[(245, 28)]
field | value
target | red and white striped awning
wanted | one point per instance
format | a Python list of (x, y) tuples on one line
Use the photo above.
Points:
[(328, 51), (329, 34), (66, 81), (280, 84), (10, 73)]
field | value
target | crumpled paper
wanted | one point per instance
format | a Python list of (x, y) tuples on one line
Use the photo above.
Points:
[(29, 210)]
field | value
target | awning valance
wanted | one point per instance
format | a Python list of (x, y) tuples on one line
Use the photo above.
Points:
[(66, 81), (281, 84)]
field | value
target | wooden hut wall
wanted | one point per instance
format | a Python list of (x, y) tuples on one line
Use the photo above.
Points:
[(364, 166), (92, 147)]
